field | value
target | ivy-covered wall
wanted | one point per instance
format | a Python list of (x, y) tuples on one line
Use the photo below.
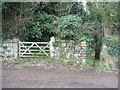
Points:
[(110, 52)]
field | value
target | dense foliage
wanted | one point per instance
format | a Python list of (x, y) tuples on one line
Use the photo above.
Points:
[(68, 27), (41, 30), (112, 43), (23, 14)]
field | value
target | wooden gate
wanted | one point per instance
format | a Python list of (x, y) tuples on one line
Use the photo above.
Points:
[(34, 49)]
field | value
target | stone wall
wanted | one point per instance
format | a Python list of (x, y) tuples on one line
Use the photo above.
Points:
[(9, 49), (67, 50), (110, 53)]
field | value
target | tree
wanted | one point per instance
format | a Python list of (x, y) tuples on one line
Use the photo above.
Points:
[(110, 45), (15, 16), (42, 29)]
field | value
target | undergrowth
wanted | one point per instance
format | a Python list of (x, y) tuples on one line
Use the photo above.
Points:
[(90, 63)]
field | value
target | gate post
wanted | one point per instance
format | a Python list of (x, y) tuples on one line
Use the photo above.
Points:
[(52, 39), (15, 47), (84, 48)]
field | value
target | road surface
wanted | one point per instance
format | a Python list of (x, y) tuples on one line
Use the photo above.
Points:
[(37, 77)]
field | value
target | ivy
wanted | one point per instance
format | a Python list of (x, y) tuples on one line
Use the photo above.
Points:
[(113, 51), (102, 58), (113, 45), (56, 44)]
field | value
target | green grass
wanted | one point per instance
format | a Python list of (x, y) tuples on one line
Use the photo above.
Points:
[(34, 62), (56, 62), (89, 63), (71, 63), (112, 38), (101, 68), (19, 60), (49, 60)]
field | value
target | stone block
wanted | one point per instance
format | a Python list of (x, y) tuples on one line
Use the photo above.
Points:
[(76, 56), (84, 43), (63, 44)]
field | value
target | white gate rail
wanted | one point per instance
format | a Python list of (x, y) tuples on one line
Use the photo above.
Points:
[(34, 49)]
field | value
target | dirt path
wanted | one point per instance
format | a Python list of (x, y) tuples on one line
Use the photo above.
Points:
[(37, 77)]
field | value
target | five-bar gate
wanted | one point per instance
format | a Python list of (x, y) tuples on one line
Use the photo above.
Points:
[(34, 49)]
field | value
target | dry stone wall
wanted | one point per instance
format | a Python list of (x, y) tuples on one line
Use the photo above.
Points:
[(67, 50), (9, 49)]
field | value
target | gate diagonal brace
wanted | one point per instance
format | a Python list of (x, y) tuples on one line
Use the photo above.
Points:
[(26, 50), (41, 49), (25, 47), (45, 47)]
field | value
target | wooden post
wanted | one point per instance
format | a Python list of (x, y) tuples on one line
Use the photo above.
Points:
[(52, 39)]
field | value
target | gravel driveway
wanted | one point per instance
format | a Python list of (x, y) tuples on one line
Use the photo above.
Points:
[(37, 77)]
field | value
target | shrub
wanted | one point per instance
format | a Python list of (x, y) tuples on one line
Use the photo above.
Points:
[(41, 30), (68, 27)]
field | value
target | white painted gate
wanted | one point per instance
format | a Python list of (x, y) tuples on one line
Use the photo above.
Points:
[(34, 49)]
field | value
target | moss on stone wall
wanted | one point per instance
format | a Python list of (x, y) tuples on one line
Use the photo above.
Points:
[(109, 53)]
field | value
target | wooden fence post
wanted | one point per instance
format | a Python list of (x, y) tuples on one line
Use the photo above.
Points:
[(52, 39)]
